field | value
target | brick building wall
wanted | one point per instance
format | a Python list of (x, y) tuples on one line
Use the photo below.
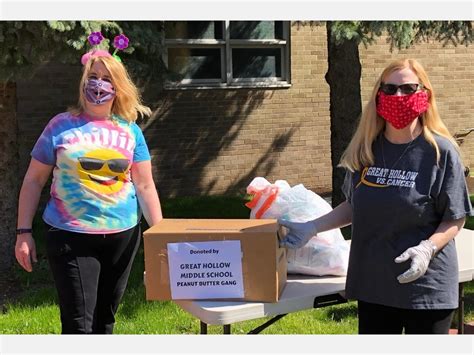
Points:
[(451, 72), (216, 141)]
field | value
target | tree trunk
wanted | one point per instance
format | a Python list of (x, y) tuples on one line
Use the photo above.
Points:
[(8, 172), (343, 77)]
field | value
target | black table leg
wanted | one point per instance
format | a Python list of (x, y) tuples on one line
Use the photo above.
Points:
[(461, 309), (203, 327), (226, 328), (266, 324)]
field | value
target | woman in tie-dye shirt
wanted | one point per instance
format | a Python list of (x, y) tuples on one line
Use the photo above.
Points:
[(102, 183)]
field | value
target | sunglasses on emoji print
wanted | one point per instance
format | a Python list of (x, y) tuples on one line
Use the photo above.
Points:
[(115, 165), (405, 89)]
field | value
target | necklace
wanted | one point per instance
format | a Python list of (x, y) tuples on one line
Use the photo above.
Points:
[(401, 155)]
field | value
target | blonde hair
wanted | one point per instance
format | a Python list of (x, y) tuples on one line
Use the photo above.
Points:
[(127, 102), (359, 152)]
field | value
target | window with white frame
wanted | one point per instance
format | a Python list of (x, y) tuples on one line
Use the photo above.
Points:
[(227, 54)]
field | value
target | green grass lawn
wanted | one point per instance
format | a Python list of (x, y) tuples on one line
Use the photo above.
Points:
[(35, 310)]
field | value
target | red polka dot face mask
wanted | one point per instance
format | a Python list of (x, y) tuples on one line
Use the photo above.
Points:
[(400, 111)]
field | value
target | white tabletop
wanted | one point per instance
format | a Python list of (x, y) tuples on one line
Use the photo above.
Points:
[(300, 292), (465, 248)]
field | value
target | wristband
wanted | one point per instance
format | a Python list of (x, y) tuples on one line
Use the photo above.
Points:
[(432, 246), (23, 231)]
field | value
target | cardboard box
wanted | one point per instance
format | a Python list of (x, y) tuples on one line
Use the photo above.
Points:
[(263, 263)]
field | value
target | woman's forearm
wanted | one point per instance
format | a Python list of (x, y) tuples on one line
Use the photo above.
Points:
[(150, 204), (339, 217), (30, 194), (446, 231)]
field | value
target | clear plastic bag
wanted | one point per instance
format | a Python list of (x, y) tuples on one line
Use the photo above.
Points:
[(326, 253)]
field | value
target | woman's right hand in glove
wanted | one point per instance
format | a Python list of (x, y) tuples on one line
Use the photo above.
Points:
[(299, 233)]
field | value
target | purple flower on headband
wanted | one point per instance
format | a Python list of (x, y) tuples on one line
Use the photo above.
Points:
[(95, 38), (121, 42)]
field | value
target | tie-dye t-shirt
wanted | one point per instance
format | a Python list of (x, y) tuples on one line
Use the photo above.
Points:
[(91, 190)]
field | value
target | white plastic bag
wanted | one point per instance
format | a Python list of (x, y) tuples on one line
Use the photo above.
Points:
[(324, 254)]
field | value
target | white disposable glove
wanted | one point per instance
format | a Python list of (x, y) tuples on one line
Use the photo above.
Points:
[(421, 256), (299, 233)]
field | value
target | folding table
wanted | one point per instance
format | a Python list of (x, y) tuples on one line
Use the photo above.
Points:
[(465, 248), (307, 292)]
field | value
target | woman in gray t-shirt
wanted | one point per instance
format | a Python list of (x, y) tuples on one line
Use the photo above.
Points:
[(406, 198)]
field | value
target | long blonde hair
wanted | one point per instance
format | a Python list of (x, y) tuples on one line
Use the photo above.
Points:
[(127, 102), (359, 152)]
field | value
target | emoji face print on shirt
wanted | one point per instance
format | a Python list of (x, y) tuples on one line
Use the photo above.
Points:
[(103, 170)]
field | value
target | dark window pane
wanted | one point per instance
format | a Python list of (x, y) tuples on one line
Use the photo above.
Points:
[(193, 63), (193, 29), (256, 63), (256, 29)]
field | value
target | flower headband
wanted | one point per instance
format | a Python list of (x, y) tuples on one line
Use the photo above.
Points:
[(120, 43)]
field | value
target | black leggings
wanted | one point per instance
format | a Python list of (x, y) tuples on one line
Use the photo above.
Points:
[(90, 272), (378, 319)]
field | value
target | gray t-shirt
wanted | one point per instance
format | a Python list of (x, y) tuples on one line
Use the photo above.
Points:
[(397, 203)]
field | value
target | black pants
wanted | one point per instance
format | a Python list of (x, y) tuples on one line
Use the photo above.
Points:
[(378, 319), (90, 272)]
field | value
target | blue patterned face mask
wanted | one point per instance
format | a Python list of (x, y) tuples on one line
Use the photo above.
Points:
[(98, 91)]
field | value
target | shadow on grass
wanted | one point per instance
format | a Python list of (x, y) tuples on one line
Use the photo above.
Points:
[(339, 313), (42, 296), (31, 290)]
